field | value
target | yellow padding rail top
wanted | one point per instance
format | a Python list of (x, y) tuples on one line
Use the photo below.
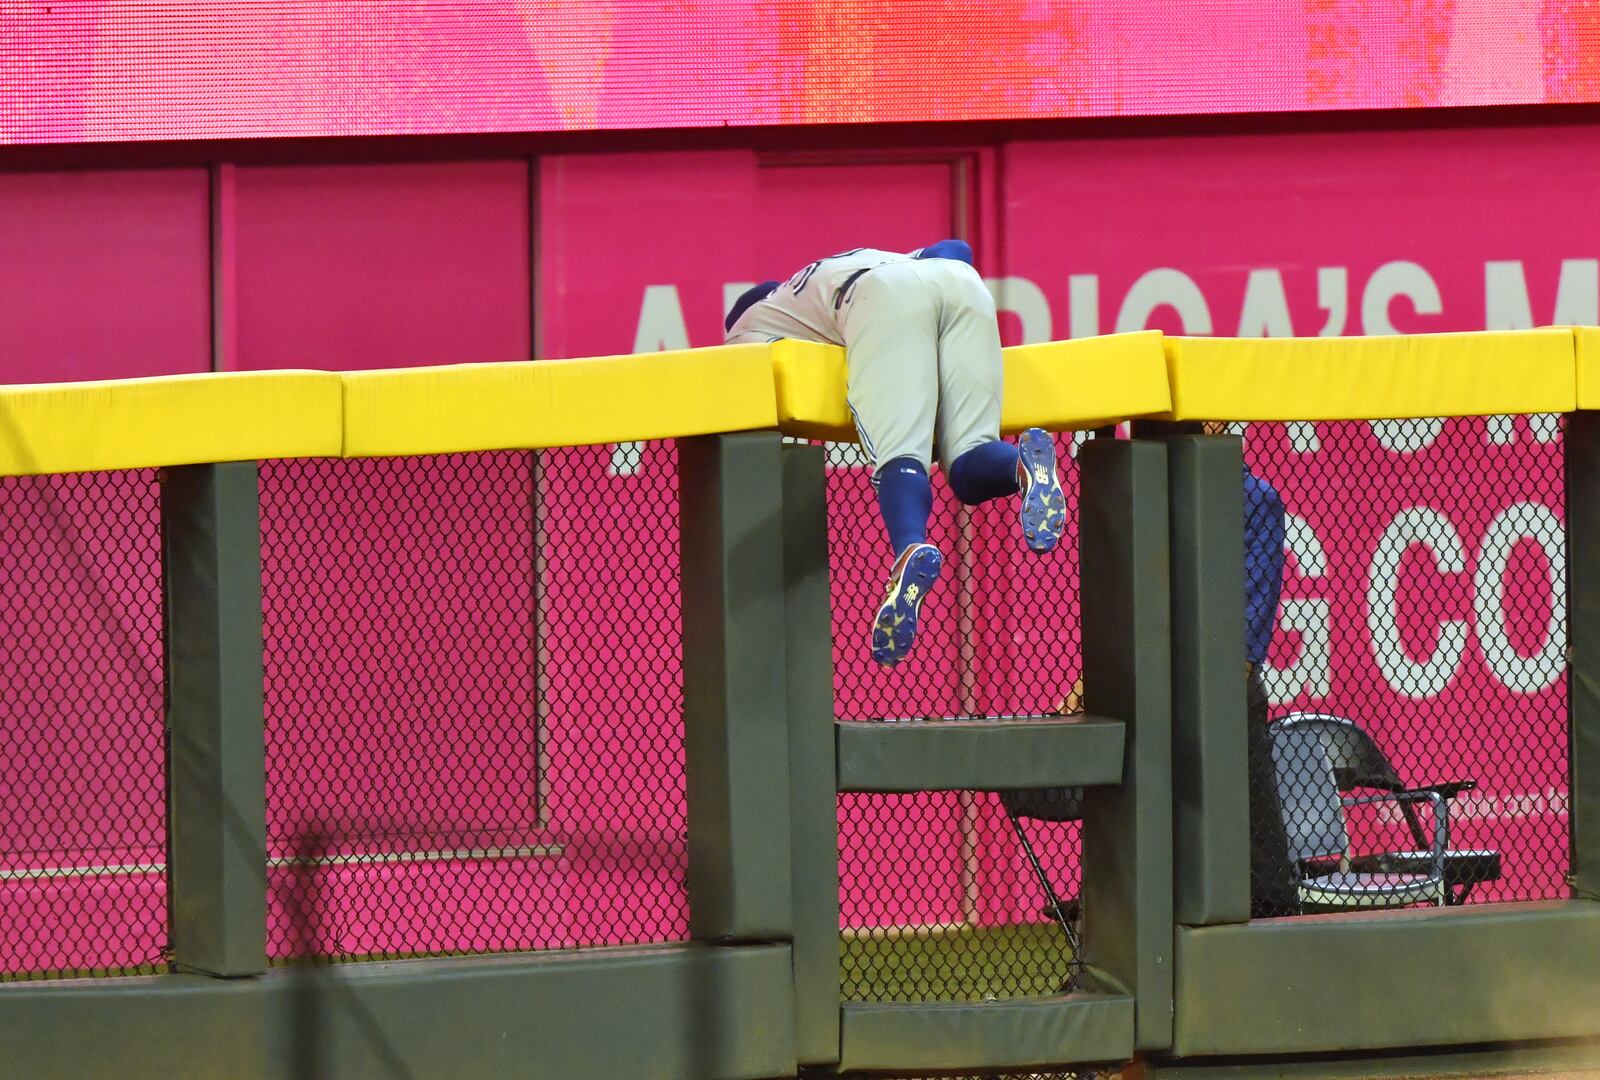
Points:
[(1376, 378), (170, 420), (795, 386), (1059, 385), (543, 403), (1587, 341)]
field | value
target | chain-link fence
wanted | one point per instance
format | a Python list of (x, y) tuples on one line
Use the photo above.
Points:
[(474, 703), (1416, 675), (939, 900), (82, 759)]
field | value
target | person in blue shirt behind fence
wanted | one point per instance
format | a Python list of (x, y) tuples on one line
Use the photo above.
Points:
[(1272, 888)]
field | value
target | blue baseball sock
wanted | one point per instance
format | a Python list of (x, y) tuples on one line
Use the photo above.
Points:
[(905, 497), (985, 472)]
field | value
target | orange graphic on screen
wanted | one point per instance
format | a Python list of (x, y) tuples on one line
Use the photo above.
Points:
[(573, 42)]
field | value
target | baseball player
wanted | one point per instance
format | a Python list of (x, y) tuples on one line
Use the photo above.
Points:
[(923, 350)]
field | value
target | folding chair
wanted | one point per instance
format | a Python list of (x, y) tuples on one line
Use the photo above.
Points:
[(1319, 838), (1359, 763), (1050, 804)]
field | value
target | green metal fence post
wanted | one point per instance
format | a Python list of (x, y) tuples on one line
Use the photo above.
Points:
[(735, 727), (814, 819), (216, 776), (1127, 634), (1210, 780), (1583, 649)]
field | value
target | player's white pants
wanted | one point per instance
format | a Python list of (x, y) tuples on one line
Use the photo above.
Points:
[(924, 357)]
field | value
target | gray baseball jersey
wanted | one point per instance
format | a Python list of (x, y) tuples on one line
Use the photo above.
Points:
[(920, 339)]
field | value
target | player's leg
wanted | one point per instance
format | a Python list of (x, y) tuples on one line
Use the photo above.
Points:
[(979, 464), (891, 342)]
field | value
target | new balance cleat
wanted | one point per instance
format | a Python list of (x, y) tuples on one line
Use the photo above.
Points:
[(895, 628), (1044, 505)]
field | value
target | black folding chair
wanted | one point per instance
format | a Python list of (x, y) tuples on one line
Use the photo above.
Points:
[(1328, 877), (1051, 804), (1358, 762)]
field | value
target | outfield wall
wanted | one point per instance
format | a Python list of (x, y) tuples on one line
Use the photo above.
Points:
[(390, 652), (756, 980)]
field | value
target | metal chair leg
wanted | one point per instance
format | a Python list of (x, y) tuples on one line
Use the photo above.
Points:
[(1075, 965)]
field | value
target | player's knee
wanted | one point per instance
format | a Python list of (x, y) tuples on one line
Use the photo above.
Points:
[(918, 463), (983, 472)]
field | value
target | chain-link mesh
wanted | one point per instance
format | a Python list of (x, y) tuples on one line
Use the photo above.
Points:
[(474, 703), (939, 900), (462, 759), (82, 759), (1420, 642)]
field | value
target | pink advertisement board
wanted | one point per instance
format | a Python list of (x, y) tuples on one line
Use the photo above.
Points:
[(119, 70)]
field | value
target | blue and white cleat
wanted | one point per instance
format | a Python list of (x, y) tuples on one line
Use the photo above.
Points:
[(1044, 505), (895, 628)]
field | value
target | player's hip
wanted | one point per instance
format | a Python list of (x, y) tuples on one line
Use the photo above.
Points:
[(930, 286)]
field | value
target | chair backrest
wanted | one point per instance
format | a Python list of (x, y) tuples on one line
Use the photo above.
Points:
[(1313, 817), (1356, 759), (1045, 804)]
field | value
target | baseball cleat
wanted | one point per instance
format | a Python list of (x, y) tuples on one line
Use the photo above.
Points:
[(1044, 505), (895, 628)]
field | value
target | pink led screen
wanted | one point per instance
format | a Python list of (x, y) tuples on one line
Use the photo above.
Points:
[(112, 70)]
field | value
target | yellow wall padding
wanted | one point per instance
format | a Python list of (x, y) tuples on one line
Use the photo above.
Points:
[(541, 403), (1086, 383), (810, 382), (1059, 385), (1374, 378), (1587, 339), (795, 385), (170, 420)]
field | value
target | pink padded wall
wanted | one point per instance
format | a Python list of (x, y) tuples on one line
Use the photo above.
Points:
[(355, 266), (105, 274)]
